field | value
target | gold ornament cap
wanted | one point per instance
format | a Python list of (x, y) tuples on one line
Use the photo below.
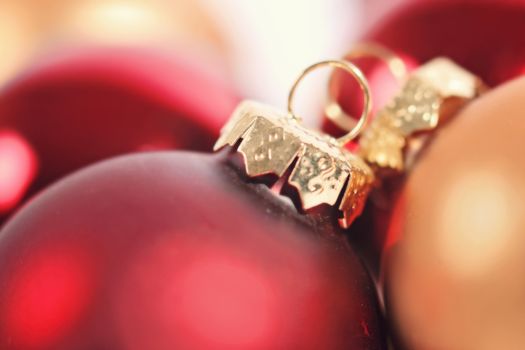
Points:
[(429, 97), (320, 168)]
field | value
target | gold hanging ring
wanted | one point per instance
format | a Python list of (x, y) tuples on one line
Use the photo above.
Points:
[(396, 65), (353, 70)]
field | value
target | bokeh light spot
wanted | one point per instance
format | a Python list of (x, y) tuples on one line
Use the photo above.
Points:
[(47, 294), (225, 301), (478, 215), (18, 166)]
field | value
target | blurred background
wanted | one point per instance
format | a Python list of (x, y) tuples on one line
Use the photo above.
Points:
[(86, 80), (260, 45), (139, 75)]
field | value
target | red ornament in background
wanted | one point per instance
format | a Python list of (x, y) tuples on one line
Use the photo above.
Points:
[(177, 250), (77, 108), (483, 36), (382, 82)]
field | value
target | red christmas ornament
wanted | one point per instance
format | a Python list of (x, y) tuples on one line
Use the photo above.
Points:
[(77, 108), (484, 36), (177, 250), (481, 36), (385, 71), (430, 97)]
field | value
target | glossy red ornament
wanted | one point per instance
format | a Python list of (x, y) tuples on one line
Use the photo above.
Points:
[(483, 36), (177, 251), (383, 85), (79, 107)]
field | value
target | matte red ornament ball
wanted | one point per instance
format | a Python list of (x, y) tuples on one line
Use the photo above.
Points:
[(177, 251), (77, 107)]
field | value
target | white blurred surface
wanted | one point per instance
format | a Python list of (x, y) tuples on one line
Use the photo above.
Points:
[(274, 40), (267, 43)]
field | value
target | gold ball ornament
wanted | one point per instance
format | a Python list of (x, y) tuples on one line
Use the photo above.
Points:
[(454, 267)]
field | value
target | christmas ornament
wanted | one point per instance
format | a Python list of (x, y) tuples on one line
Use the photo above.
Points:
[(83, 106), (416, 31), (398, 135), (431, 95), (454, 260), (181, 250), (481, 36), (322, 171)]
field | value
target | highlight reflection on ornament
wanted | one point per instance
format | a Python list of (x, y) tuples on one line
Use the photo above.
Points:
[(216, 296), (46, 295), (175, 250), (18, 165), (476, 213), (66, 112)]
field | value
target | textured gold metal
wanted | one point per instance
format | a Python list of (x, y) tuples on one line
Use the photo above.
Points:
[(430, 95), (322, 171)]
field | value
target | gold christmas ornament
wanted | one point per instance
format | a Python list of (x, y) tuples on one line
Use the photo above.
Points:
[(454, 266), (427, 99), (321, 169)]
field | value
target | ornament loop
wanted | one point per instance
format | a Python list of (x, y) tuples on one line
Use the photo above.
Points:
[(363, 84), (396, 65)]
